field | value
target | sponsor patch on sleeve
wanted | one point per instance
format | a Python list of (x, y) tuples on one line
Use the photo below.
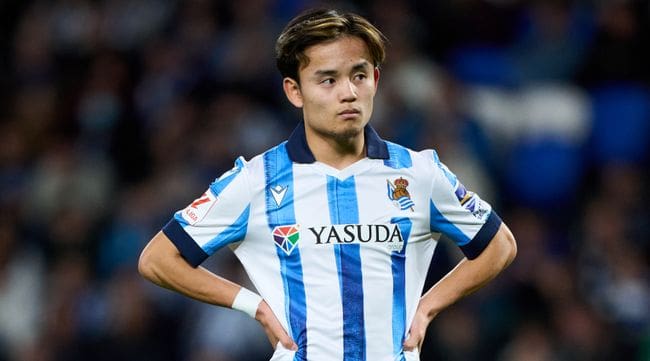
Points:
[(477, 206), (472, 202), (196, 211)]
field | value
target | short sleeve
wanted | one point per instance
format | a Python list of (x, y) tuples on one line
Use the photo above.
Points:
[(459, 213), (217, 218)]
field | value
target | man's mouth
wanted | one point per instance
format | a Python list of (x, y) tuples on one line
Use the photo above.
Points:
[(349, 112)]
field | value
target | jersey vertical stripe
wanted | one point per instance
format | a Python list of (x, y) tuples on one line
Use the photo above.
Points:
[(399, 158), (398, 261), (322, 291), (278, 170), (344, 210)]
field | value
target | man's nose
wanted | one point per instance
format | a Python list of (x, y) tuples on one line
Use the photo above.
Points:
[(348, 91)]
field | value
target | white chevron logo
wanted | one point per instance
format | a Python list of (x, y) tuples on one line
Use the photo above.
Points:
[(278, 193)]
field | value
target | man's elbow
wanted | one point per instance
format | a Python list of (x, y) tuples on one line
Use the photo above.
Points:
[(509, 245), (147, 264), (144, 265)]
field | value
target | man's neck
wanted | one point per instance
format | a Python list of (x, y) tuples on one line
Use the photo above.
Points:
[(337, 153)]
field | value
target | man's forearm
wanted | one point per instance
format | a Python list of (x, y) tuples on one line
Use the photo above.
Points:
[(161, 264)]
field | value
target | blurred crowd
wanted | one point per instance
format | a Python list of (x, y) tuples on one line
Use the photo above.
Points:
[(116, 113)]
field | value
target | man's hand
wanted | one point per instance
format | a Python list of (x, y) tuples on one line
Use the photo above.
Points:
[(417, 332), (273, 328), (465, 278)]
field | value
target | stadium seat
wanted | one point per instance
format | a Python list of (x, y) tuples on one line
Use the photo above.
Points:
[(621, 124)]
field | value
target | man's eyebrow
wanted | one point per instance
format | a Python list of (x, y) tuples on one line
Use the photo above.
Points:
[(325, 72), (364, 65)]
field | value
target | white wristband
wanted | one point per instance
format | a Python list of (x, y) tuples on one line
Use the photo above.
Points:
[(247, 302)]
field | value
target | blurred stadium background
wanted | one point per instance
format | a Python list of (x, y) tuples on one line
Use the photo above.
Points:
[(114, 114)]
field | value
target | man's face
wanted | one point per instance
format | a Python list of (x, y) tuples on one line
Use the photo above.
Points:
[(336, 89)]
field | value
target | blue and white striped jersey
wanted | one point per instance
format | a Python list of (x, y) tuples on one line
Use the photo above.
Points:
[(340, 256)]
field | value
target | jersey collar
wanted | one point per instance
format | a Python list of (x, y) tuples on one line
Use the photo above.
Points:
[(299, 151)]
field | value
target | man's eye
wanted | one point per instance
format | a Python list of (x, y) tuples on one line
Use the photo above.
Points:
[(327, 81), (360, 76)]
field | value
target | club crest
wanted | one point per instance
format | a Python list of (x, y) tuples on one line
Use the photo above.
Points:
[(399, 194)]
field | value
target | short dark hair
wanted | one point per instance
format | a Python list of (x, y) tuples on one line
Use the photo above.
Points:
[(321, 25)]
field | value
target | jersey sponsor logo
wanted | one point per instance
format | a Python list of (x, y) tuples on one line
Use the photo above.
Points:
[(196, 211), (278, 193), (286, 237), (388, 235), (399, 194)]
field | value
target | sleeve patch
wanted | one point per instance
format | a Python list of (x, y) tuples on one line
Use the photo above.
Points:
[(198, 209), (476, 206)]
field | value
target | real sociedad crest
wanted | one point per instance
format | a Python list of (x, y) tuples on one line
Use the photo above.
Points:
[(398, 193)]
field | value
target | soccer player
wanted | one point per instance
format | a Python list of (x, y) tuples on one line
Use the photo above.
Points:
[(335, 227)]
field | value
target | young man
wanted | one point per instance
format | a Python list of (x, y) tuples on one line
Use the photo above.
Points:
[(335, 227)]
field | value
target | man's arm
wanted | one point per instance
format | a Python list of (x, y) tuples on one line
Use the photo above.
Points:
[(162, 264), (467, 277)]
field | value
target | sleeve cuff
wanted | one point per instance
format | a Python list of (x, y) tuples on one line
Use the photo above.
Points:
[(190, 251), (474, 248)]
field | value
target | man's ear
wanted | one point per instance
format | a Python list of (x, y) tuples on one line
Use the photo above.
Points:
[(376, 77), (292, 91)]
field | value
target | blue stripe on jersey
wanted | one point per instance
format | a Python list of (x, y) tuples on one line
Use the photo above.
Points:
[(398, 263), (191, 251), (399, 157), (342, 200), (233, 233), (451, 177), (278, 170), (438, 223), (222, 182)]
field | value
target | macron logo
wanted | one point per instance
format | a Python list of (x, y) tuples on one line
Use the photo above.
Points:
[(278, 193)]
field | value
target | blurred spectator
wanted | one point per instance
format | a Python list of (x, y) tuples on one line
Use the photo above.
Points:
[(618, 52), (531, 343), (551, 41), (22, 283)]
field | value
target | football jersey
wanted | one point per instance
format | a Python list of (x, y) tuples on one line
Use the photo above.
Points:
[(340, 256)]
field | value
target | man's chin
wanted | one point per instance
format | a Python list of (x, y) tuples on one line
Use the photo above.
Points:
[(348, 133)]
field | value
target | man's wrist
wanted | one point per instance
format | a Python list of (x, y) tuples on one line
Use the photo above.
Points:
[(429, 312), (247, 301)]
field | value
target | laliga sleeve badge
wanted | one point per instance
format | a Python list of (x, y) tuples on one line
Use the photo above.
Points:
[(196, 211)]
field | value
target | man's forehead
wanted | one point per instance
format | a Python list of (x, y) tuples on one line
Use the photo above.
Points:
[(341, 53), (360, 66)]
